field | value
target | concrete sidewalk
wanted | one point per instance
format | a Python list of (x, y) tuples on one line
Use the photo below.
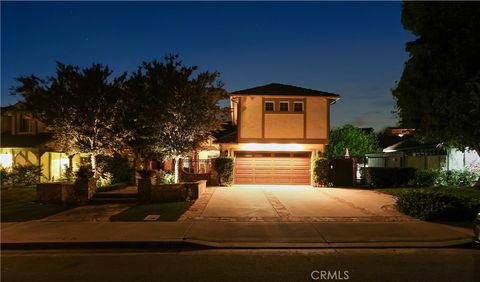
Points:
[(38, 234)]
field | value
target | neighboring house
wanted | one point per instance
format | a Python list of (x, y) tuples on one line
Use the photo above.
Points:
[(25, 140), (280, 129), (409, 153)]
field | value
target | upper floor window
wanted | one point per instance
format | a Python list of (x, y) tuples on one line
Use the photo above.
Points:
[(298, 107), (269, 106), (284, 106)]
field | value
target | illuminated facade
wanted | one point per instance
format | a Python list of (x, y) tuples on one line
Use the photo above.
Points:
[(280, 129), (25, 141)]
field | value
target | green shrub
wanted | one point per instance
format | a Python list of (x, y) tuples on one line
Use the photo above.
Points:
[(461, 178), (426, 178), (224, 167), (115, 169), (105, 179), (5, 176), (25, 175), (68, 174), (388, 177), (321, 172), (165, 177), (84, 172), (434, 205)]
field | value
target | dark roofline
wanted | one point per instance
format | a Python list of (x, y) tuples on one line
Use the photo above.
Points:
[(277, 89)]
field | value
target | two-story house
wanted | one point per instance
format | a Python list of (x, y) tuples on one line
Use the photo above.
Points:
[(25, 140), (280, 129)]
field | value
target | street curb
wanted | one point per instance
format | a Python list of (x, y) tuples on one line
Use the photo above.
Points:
[(100, 245), (201, 244)]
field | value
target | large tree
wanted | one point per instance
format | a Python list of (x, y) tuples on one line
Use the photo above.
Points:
[(183, 105), (357, 141), (439, 91), (81, 107)]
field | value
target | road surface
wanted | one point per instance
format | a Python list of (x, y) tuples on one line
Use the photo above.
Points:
[(445, 264)]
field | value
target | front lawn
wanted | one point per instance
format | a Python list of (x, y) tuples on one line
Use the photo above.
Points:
[(167, 211), (19, 204)]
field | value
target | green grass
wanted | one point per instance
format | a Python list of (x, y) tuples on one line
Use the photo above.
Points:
[(167, 211), (19, 204), (471, 193)]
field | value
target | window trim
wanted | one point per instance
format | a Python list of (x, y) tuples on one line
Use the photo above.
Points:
[(298, 102), (265, 106), (280, 106)]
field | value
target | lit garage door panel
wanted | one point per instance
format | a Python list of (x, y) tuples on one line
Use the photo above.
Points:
[(272, 168)]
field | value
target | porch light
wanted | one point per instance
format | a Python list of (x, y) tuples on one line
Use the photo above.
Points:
[(6, 160), (272, 147)]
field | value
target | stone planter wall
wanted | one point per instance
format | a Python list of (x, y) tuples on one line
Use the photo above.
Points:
[(65, 193), (56, 193), (85, 189), (211, 178), (177, 192)]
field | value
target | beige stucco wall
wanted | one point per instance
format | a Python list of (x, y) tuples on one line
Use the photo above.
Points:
[(317, 118), (316, 149), (251, 117), (284, 126)]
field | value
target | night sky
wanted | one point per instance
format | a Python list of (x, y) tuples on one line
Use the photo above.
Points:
[(354, 49)]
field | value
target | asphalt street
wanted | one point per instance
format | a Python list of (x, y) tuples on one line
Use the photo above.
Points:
[(445, 264)]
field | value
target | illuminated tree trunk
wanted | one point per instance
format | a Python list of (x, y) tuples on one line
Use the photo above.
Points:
[(93, 161), (177, 169)]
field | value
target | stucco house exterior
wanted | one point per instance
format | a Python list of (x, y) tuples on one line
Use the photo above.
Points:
[(26, 140), (280, 129)]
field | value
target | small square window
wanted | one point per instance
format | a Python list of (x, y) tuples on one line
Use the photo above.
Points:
[(269, 106), (284, 106), (298, 107)]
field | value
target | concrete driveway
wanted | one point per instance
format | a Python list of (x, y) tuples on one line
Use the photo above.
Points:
[(292, 203)]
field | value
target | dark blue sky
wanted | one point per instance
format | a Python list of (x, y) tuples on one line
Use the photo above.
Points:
[(353, 49)]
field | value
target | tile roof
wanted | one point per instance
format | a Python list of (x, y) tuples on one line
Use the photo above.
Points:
[(277, 89)]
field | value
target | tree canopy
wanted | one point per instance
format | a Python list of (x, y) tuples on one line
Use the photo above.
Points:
[(358, 142), (439, 90), (163, 109), (184, 103), (81, 107)]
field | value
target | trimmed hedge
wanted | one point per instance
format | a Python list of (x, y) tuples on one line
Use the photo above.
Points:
[(224, 167), (425, 177), (388, 177), (321, 172), (444, 178), (434, 205)]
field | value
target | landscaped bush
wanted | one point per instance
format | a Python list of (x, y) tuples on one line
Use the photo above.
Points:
[(461, 178), (434, 205), (321, 172), (68, 174), (114, 169), (84, 172), (165, 177), (5, 176), (105, 179), (388, 177), (426, 178), (25, 175), (224, 167)]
